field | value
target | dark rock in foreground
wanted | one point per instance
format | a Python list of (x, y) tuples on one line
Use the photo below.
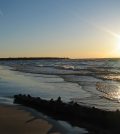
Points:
[(95, 120)]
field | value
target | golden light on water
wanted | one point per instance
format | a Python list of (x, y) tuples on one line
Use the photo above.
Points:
[(110, 91)]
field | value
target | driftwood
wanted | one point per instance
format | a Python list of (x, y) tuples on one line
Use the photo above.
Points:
[(95, 120)]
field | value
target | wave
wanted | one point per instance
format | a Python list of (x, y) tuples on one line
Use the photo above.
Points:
[(66, 67), (110, 90), (87, 73)]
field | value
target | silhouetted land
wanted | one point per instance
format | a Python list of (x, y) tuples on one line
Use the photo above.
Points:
[(56, 58), (32, 58), (95, 120)]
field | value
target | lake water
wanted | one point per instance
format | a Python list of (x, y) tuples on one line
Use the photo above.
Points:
[(91, 82)]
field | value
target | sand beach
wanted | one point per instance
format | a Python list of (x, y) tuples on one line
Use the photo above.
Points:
[(16, 120)]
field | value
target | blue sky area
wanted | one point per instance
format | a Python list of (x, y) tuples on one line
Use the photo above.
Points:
[(59, 28)]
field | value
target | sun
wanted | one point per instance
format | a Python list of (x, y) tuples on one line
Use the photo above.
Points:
[(118, 44), (116, 50)]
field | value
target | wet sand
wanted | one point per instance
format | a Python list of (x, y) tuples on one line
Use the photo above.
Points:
[(16, 120)]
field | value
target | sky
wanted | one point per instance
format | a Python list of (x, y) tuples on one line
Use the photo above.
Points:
[(60, 28)]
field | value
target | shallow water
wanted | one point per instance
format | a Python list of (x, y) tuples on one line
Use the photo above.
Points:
[(88, 82)]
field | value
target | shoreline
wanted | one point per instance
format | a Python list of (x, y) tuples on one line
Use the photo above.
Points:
[(56, 58), (93, 119), (70, 87), (17, 119)]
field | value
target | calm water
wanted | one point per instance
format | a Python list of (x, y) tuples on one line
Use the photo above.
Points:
[(88, 82)]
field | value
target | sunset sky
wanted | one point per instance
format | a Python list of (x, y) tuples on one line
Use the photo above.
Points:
[(60, 28)]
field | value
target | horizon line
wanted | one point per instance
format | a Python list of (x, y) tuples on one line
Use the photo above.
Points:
[(38, 58)]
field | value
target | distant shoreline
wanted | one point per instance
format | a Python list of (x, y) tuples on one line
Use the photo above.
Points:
[(33, 58), (54, 58)]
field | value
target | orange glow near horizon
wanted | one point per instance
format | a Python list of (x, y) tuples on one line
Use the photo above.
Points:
[(80, 29), (108, 47)]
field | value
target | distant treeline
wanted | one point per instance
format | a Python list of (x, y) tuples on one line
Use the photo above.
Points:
[(59, 58), (32, 58)]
